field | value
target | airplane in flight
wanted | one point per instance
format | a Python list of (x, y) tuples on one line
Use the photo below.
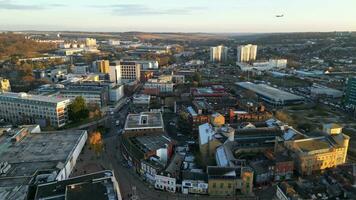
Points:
[(279, 16)]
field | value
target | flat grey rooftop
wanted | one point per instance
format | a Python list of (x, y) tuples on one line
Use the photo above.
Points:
[(94, 186), (150, 143), (25, 96), (269, 92), (38, 151), (144, 120)]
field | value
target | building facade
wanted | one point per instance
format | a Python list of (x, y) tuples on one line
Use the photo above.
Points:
[(246, 53), (350, 97), (165, 183), (103, 66), (115, 73), (24, 108), (319, 153), (218, 54), (5, 85), (130, 71)]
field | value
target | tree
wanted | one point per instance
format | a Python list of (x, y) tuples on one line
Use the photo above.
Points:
[(78, 110), (184, 124), (96, 142)]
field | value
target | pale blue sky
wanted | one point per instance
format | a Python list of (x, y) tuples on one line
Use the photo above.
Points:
[(179, 15)]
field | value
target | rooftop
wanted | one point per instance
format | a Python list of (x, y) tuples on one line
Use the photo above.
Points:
[(206, 133), (269, 92), (26, 96), (44, 150), (144, 120), (100, 185), (151, 143), (314, 144)]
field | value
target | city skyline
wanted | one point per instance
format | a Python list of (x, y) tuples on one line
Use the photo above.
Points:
[(227, 16)]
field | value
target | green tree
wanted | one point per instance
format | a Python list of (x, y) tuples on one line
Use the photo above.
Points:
[(78, 109), (184, 124)]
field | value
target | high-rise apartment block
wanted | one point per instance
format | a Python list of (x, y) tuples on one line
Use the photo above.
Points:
[(125, 71), (218, 54), (24, 108), (246, 53), (102, 66), (90, 42), (4, 85)]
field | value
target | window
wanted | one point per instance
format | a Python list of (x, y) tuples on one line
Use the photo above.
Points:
[(221, 185)]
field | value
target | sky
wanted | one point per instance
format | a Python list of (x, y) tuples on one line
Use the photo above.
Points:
[(215, 16)]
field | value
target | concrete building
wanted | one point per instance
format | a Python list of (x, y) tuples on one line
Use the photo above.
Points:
[(319, 153), (102, 66), (115, 73), (229, 181), (116, 93), (218, 54), (323, 91), (90, 42), (278, 63), (141, 99), (165, 182), (194, 183), (19, 108), (153, 87), (94, 186), (208, 142), (91, 94), (148, 64), (271, 95), (28, 152), (5, 85), (130, 71), (145, 121), (246, 53), (350, 97), (81, 69)]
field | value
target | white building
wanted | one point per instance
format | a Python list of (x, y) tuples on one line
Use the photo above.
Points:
[(159, 87), (218, 54), (53, 155), (194, 187), (114, 42), (246, 53), (141, 99), (20, 108), (148, 64), (115, 73), (165, 183), (278, 63), (116, 93)]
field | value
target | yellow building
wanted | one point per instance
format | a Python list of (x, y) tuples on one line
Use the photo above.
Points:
[(103, 66), (319, 153), (4, 85), (207, 142), (217, 119), (229, 181)]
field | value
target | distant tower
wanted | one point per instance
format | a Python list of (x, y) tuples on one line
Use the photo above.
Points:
[(218, 54), (246, 53)]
